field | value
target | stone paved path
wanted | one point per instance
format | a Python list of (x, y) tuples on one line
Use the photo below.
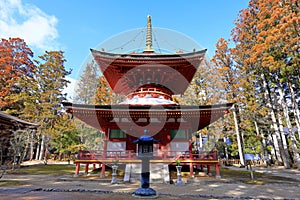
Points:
[(67, 187)]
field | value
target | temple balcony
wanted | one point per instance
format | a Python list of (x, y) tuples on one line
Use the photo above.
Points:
[(128, 156)]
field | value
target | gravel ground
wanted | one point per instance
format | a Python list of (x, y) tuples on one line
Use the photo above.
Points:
[(68, 187)]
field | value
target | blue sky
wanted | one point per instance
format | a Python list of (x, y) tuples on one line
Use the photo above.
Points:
[(77, 26)]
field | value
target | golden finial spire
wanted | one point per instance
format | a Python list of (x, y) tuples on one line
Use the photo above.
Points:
[(149, 36)]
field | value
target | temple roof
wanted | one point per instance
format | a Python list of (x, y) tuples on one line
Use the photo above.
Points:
[(104, 116), (87, 107), (6, 119), (127, 72)]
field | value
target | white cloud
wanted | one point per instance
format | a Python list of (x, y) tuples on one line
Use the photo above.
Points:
[(29, 23)]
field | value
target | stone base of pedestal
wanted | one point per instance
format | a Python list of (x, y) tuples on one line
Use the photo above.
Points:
[(145, 193), (180, 183), (113, 180)]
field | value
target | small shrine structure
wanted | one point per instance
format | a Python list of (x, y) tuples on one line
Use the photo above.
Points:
[(149, 80)]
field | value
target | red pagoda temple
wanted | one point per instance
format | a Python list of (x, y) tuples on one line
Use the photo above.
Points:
[(149, 80)]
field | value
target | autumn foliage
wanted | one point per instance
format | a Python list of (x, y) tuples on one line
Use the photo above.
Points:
[(15, 64), (258, 68), (263, 66)]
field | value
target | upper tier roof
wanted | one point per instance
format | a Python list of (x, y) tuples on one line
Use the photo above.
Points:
[(127, 72)]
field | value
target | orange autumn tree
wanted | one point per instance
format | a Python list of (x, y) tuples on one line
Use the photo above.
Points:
[(230, 81), (103, 95), (267, 49), (16, 67), (279, 52)]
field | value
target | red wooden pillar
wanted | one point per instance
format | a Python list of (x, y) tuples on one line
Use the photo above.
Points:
[(218, 171), (103, 171), (191, 149), (191, 170), (208, 169), (202, 168), (106, 132), (167, 146), (163, 144), (86, 168), (77, 168)]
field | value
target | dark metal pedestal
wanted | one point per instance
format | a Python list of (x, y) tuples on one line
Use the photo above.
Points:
[(145, 191)]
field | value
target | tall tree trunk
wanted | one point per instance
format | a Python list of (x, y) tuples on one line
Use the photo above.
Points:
[(31, 144), (26, 149), (275, 123), (295, 107), (262, 143), (238, 135), (38, 147), (296, 158), (283, 137), (42, 147), (226, 152), (275, 150)]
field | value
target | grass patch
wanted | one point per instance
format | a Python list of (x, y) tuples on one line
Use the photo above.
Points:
[(229, 173), (9, 183), (41, 169), (259, 178), (254, 182)]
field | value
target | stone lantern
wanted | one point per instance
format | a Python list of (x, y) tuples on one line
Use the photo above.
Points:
[(145, 153)]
